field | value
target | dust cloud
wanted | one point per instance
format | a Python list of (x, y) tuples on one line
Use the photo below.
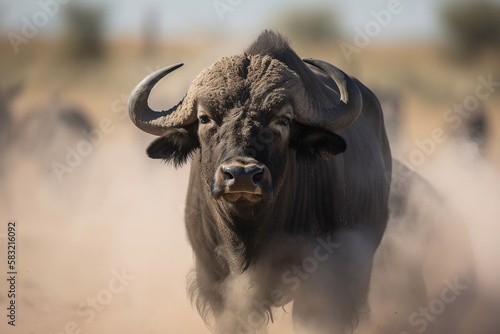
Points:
[(104, 250)]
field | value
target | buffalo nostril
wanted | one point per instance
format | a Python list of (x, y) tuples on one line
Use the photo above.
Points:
[(257, 177), (228, 172), (227, 175)]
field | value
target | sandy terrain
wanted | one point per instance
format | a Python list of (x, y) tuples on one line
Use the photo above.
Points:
[(104, 250)]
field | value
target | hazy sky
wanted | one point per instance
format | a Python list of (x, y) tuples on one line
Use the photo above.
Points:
[(417, 19)]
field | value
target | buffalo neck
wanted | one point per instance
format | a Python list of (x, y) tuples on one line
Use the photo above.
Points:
[(239, 239)]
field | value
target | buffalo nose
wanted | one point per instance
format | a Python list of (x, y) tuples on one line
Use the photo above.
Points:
[(242, 177)]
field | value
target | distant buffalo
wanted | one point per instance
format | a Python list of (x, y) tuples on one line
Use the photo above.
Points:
[(393, 115), (475, 130), (45, 132), (424, 276), (7, 95)]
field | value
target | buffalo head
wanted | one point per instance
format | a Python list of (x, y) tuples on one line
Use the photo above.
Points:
[(248, 115)]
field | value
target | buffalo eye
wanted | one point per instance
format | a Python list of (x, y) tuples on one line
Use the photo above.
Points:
[(284, 121), (204, 119)]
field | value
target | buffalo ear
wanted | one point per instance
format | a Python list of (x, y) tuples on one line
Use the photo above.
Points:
[(310, 143), (175, 146)]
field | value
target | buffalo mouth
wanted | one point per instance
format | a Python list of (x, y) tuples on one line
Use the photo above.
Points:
[(242, 197)]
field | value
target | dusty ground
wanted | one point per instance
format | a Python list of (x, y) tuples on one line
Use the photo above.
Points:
[(119, 212)]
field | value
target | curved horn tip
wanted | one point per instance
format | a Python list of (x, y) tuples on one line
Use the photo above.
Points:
[(311, 61), (139, 111), (318, 63), (159, 74), (350, 105), (171, 67), (152, 79)]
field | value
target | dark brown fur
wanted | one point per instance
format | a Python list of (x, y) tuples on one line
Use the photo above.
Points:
[(326, 185)]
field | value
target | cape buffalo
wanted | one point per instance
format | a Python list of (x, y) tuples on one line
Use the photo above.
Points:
[(289, 185)]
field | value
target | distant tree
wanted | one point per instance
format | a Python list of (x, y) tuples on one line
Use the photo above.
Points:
[(473, 26), (84, 28), (310, 23)]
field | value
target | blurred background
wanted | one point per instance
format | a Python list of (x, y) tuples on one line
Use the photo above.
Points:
[(89, 203)]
